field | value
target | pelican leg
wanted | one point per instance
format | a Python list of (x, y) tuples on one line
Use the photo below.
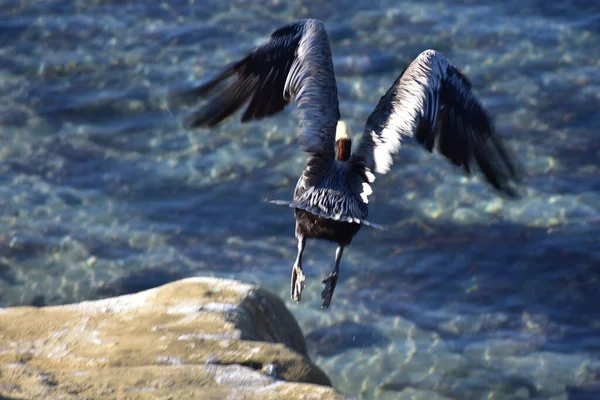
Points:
[(332, 278), (297, 284)]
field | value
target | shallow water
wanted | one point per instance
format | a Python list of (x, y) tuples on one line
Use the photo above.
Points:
[(467, 295)]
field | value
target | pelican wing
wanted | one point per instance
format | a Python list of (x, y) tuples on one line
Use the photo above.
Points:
[(432, 101), (295, 63)]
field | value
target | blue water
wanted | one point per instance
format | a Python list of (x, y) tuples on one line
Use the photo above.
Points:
[(467, 295)]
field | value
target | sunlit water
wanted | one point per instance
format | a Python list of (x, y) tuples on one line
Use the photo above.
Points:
[(466, 295)]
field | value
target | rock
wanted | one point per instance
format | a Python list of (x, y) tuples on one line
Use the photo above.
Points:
[(203, 338)]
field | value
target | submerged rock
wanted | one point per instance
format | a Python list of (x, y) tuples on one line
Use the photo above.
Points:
[(203, 338)]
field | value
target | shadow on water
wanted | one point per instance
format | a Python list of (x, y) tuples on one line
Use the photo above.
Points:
[(336, 338)]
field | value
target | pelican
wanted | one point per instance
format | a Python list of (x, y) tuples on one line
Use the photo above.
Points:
[(431, 101)]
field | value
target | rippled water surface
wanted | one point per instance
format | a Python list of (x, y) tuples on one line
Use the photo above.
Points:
[(466, 296)]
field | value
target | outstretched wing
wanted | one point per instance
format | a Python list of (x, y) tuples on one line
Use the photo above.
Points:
[(295, 63), (432, 101)]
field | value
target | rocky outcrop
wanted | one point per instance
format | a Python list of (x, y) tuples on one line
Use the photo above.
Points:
[(201, 338)]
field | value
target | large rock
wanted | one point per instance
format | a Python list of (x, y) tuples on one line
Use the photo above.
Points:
[(201, 338)]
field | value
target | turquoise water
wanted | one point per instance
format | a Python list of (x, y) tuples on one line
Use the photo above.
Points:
[(467, 296)]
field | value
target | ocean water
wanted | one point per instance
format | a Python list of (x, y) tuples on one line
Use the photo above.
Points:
[(466, 296)]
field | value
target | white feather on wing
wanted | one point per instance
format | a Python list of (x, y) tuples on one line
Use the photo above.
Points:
[(434, 103)]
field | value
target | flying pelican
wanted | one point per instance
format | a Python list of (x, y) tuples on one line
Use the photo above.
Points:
[(431, 101)]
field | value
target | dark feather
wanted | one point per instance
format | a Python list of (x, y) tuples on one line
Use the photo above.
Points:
[(294, 64)]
